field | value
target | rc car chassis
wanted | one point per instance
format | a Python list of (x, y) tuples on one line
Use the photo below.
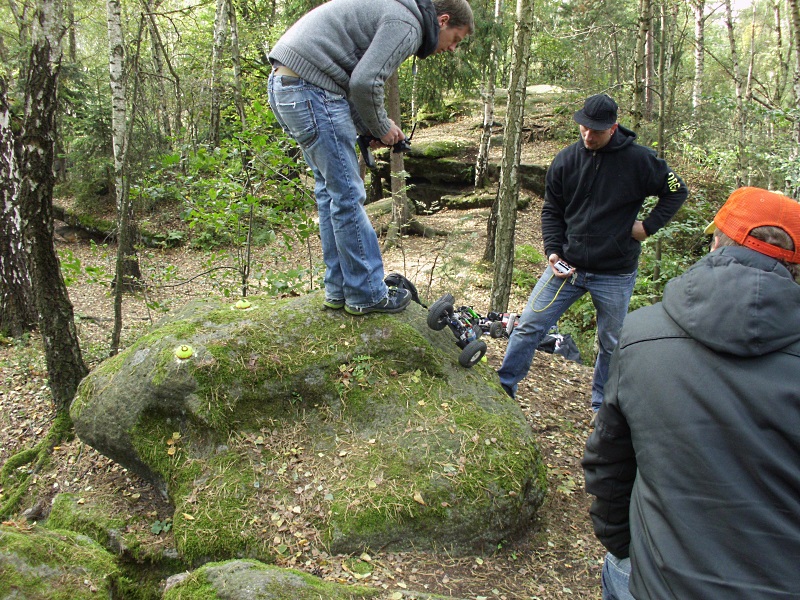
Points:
[(464, 323)]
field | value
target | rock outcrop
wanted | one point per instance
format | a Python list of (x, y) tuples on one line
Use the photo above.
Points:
[(282, 428)]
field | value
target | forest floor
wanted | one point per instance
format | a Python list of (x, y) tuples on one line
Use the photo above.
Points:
[(559, 558)]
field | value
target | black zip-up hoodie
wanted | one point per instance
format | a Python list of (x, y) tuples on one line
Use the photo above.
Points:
[(593, 197)]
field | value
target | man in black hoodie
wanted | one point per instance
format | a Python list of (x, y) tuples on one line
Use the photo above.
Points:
[(594, 191), (695, 455)]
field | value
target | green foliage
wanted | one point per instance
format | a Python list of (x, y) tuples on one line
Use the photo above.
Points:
[(527, 266)]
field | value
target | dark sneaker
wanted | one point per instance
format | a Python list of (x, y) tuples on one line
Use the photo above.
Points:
[(333, 304), (395, 301)]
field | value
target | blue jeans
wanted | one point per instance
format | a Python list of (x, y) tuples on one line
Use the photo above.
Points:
[(615, 578), (551, 297), (320, 122)]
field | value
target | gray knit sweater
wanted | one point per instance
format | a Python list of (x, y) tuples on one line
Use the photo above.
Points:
[(350, 47)]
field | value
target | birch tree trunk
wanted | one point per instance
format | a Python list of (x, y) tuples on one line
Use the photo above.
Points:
[(649, 66), (482, 163), (739, 119), (698, 6), (508, 191), (237, 65), (220, 29), (127, 266), (17, 309), (65, 366), (640, 67)]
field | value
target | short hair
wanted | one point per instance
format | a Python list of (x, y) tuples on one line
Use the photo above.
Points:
[(771, 235), (460, 13)]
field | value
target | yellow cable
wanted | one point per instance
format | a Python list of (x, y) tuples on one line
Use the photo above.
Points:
[(554, 297)]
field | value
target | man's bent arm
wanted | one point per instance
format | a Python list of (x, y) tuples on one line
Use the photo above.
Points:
[(671, 197)]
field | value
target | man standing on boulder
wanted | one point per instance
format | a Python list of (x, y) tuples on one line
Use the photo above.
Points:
[(594, 190), (327, 86)]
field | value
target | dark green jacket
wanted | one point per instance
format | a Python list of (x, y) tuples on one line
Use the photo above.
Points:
[(695, 456)]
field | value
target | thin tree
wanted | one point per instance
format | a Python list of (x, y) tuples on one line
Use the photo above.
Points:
[(508, 191), (640, 62), (237, 65), (158, 66), (17, 310), (400, 204), (128, 274), (698, 6), (794, 11), (487, 94), (220, 34), (739, 119)]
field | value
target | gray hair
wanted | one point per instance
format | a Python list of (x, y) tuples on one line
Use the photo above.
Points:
[(771, 235), (460, 13)]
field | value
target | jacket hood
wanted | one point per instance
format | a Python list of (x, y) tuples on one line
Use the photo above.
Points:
[(738, 301), (430, 25), (622, 137)]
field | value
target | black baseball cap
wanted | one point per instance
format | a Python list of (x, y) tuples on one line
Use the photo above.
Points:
[(599, 112)]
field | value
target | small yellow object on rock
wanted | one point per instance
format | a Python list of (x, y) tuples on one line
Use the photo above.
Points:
[(242, 304), (184, 351)]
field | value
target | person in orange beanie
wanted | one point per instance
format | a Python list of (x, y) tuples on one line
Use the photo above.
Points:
[(695, 456)]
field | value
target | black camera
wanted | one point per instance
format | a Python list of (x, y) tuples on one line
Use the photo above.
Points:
[(364, 141)]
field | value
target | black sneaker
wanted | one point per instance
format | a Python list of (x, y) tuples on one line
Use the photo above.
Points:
[(395, 301)]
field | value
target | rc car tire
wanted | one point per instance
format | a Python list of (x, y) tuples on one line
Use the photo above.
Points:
[(439, 311), (496, 329), (472, 354)]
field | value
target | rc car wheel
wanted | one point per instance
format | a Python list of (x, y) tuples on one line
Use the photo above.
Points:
[(496, 329), (439, 312), (472, 353)]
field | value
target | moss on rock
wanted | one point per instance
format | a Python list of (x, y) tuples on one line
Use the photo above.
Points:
[(39, 563), (289, 428)]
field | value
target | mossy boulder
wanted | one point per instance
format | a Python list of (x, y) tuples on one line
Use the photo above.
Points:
[(252, 580), (37, 563), (283, 429)]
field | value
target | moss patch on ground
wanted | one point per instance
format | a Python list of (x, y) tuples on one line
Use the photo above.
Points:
[(39, 563)]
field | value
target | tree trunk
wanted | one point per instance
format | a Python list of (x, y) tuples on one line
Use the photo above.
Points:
[(782, 76), (177, 121), (65, 366), (482, 163), (794, 9), (639, 68), (400, 212), (649, 66), (220, 28), (17, 309), (699, 53), (237, 65), (158, 64), (508, 190), (739, 119), (127, 267)]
